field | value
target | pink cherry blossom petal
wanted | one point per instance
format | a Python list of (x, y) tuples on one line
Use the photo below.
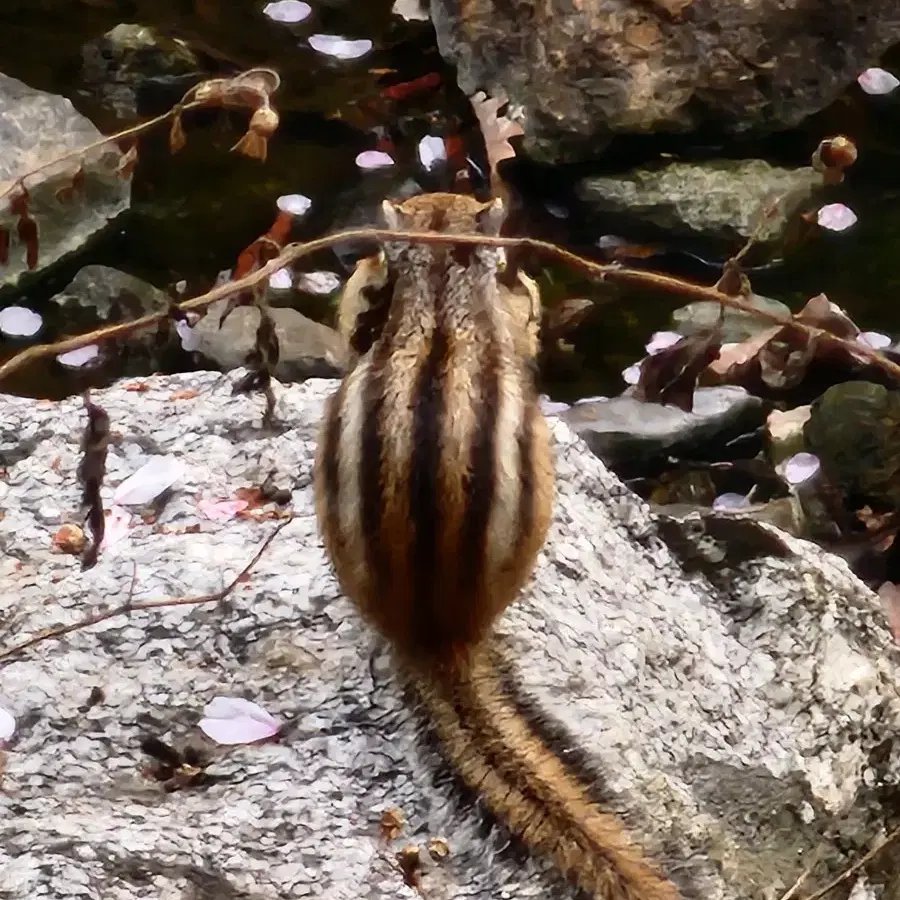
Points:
[(874, 339), (730, 501), (118, 523), (221, 510), (801, 467), (7, 724), (836, 217), (287, 11), (374, 159), (339, 47), (233, 720), (632, 375), (432, 151), (552, 407), (318, 282), (878, 81), (81, 356), (662, 340), (281, 280), (19, 321), (294, 204)]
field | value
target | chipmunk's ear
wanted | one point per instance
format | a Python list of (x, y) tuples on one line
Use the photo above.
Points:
[(491, 217), (390, 214)]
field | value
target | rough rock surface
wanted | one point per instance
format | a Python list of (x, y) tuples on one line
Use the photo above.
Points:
[(582, 70), (307, 349), (724, 200), (36, 128), (743, 707), (625, 432)]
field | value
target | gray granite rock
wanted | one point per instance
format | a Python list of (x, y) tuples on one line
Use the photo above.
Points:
[(739, 744), (624, 431), (581, 71), (307, 349), (720, 200), (37, 128)]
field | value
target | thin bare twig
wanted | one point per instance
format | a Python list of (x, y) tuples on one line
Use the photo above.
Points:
[(128, 606), (610, 272), (850, 871), (802, 877)]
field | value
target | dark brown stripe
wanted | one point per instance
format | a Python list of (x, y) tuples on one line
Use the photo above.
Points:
[(371, 480), (331, 438), (482, 478), (424, 509)]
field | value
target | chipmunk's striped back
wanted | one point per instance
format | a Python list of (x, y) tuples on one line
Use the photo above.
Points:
[(434, 488), (437, 479)]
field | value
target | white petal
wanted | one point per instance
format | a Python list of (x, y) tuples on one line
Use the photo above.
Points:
[(597, 398), (432, 151), (287, 11), (7, 725), (836, 217), (295, 204), (233, 720), (877, 81), (74, 359), (221, 510), (339, 47), (552, 407), (662, 340), (632, 375), (875, 339), (410, 10), (118, 521), (149, 481), (801, 467), (190, 340), (318, 282), (19, 321), (374, 159), (730, 501), (281, 280)]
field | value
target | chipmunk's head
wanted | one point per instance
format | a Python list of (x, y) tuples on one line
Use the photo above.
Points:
[(446, 214)]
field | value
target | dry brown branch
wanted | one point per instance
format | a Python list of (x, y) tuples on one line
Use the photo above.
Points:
[(850, 871), (609, 272), (128, 606)]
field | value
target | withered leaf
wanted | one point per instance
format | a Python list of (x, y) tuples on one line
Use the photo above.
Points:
[(91, 471), (671, 375), (496, 130)]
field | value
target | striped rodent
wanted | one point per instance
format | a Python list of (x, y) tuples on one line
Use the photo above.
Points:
[(434, 484)]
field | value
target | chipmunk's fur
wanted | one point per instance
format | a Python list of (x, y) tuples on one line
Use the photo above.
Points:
[(434, 489)]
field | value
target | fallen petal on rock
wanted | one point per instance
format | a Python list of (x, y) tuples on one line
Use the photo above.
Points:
[(730, 501), (81, 356), (552, 407), (149, 481), (431, 151), (7, 724), (662, 340), (878, 81), (190, 340), (19, 321), (874, 339), (374, 159), (233, 720), (294, 204), (221, 510), (339, 47), (801, 467), (287, 11), (632, 375), (836, 217), (281, 280), (318, 282), (410, 10), (118, 522)]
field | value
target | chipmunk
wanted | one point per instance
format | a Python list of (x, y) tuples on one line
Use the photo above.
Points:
[(434, 488)]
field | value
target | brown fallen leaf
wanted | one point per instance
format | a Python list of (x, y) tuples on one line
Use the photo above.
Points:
[(188, 394), (495, 129)]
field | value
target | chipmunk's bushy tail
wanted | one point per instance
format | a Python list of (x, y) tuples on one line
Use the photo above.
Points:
[(498, 753)]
